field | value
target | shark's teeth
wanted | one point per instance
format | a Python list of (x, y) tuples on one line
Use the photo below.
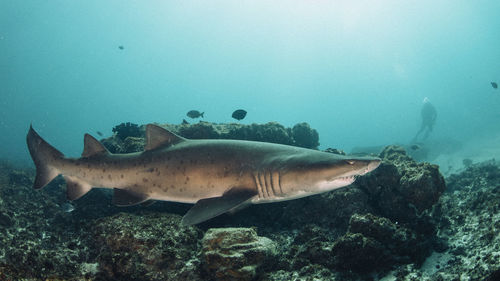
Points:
[(346, 177)]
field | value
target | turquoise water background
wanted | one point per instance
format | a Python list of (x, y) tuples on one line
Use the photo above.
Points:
[(357, 71)]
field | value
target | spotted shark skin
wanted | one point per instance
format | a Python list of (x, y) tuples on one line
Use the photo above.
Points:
[(218, 176)]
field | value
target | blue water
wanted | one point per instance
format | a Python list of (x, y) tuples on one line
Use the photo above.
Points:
[(357, 71)]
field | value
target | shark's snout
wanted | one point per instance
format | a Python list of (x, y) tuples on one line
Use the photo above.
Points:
[(372, 165)]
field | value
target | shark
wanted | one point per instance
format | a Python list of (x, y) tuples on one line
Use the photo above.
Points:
[(217, 176)]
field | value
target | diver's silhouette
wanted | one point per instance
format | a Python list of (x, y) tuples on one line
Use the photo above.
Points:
[(429, 116)]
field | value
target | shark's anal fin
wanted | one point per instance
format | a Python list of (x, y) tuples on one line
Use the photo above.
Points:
[(208, 208), (123, 197), (76, 188)]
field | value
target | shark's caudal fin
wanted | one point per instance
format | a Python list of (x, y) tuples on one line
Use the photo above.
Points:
[(42, 154)]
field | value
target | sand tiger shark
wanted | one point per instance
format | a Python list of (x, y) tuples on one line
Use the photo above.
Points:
[(218, 176)]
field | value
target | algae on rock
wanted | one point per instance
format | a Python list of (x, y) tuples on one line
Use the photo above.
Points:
[(235, 253)]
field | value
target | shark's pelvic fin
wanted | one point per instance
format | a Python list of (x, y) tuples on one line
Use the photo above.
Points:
[(157, 137), (76, 188), (208, 208), (92, 147), (124, 197)]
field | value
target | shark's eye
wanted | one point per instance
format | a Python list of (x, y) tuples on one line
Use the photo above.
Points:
[(351, 162)]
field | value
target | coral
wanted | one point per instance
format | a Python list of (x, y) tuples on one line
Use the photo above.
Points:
[(201, 130), (128, 129), (300, 135), (304, 136), (335, 151), (235, 253), (132, 144)]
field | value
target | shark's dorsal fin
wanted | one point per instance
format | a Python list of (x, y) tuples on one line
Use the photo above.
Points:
[(157, 137), (91, 147)]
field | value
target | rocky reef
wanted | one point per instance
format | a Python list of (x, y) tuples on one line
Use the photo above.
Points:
[(400, 222), (130, 137)]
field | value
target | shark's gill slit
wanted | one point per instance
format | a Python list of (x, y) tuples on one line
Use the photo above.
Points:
[(264, 191), (257, 185), (271, 183), (266, 181), (275, 182), (279, 182)]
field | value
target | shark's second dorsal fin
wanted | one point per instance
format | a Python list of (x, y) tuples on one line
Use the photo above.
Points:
[(91, 147), (157, 137)]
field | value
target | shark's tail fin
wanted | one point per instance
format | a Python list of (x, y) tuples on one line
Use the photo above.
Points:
[(42, 154)]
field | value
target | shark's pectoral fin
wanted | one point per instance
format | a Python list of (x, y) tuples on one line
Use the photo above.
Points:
[(123, 197), (148, 203), (76, 188), (208, 208)]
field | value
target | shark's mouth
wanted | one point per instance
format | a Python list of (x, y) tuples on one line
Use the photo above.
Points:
[(337, 182)]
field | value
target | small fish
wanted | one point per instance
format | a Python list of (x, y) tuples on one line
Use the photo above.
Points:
[(99, 133), (195, 114), (494, 85), (67, 207), (415, 146), (184, 122), (239, 114), (121, 47)]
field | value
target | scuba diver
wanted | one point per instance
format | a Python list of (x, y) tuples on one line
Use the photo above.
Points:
[(429, 116)]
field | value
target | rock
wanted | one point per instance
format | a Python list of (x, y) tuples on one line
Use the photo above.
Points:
[(354, 233), (17, 177), (330, 210), (468, 216), (358, 253), (400, 188), (145, 246), (311, 272), (374, 243), (5, 220), (235, 253), (312, 245)]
